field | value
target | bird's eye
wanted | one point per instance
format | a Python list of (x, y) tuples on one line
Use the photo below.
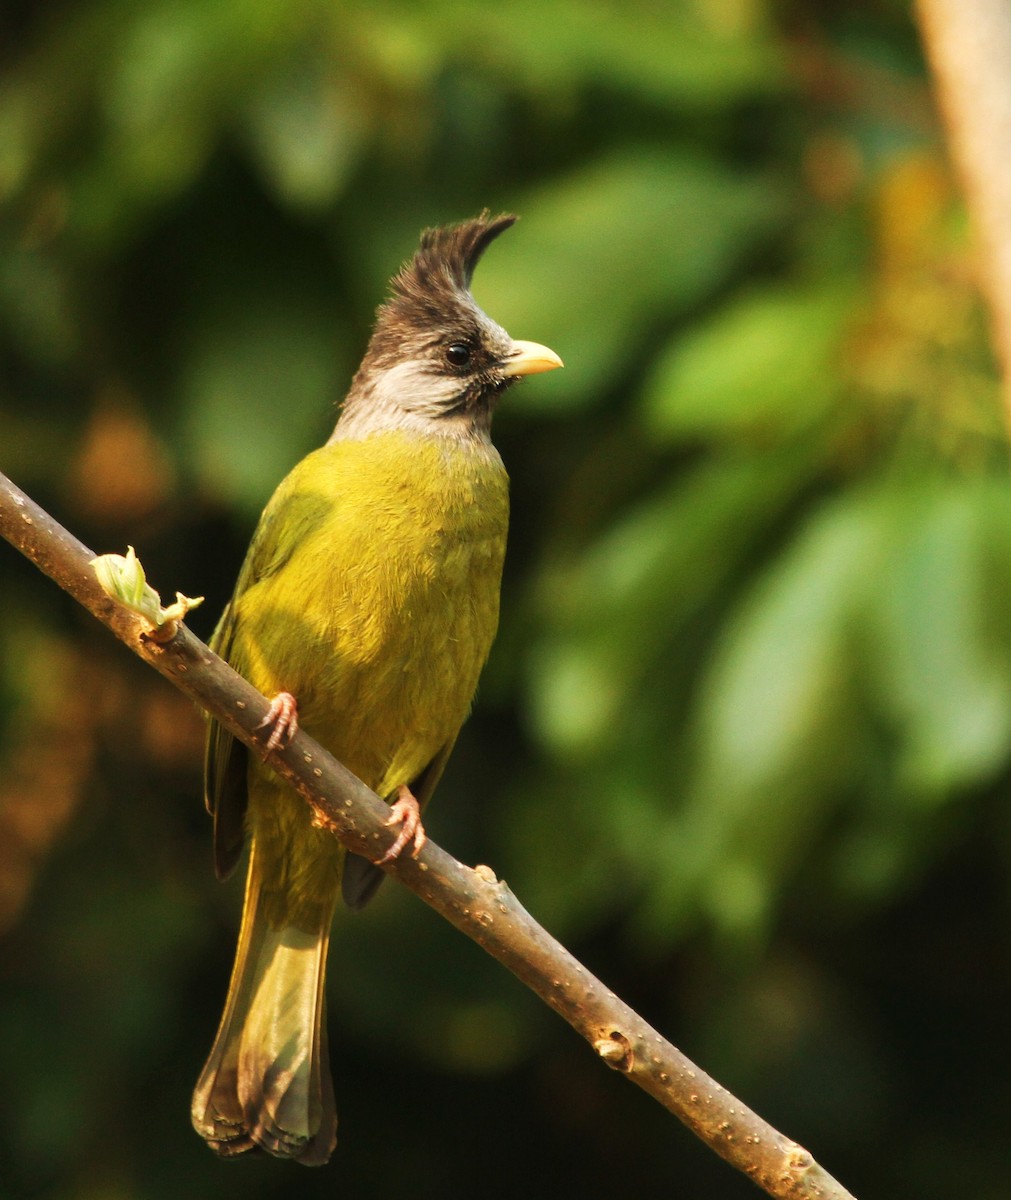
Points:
[(458, 354)]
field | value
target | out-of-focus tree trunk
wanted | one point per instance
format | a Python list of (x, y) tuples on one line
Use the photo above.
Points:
[(968, 44)]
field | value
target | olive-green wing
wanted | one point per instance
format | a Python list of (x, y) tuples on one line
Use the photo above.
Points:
[(362, 878), (286, 520), (225, 761)]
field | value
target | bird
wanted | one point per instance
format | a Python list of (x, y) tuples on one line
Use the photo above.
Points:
[(366, 607)]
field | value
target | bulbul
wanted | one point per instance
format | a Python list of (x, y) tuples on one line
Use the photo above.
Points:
[(366, 606)]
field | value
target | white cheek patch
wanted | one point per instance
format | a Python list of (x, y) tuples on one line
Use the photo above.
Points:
[(413, 387)]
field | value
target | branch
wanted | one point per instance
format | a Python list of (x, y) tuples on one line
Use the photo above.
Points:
[(968, 43), (472, 900)]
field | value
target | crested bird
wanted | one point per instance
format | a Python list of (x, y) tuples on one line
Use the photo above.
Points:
[(366, 606)]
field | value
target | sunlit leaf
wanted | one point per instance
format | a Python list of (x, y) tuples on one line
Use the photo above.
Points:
[(774, 723), (604, 253), (306, 128), (767, 364), (785, 664), (257, 393), (679, 55), (943, 634), (636, 587)]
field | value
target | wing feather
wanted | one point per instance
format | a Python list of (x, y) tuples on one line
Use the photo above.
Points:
[(290, 514)]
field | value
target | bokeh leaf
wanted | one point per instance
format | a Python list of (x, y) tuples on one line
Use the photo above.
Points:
[(774, 723), (307, 129), (609, 612), (263, 376), (765, 365), (680, 54), (942, 632), (692, 221)]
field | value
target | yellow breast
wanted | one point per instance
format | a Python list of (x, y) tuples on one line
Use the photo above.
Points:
[(374, 596)]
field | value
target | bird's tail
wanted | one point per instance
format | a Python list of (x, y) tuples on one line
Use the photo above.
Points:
[(267, 1081)]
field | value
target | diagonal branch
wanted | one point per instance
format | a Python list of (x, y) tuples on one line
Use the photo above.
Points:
[(473, 900)]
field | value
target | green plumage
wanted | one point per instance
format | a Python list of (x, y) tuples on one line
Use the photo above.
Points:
[(371, 592), (368, 602)]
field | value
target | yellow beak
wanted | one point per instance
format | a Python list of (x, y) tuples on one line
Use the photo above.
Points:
[(530, 358)]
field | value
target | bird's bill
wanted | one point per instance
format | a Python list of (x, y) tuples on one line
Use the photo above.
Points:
[(530, 358)]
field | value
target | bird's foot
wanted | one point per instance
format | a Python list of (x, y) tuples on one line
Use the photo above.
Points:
[(406, 812), (281, 720)]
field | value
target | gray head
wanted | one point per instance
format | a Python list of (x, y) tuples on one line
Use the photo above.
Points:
[(435, 362)]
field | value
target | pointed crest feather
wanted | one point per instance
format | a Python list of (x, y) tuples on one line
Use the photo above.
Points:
[(451, 251), (441, 270), (431, 292)]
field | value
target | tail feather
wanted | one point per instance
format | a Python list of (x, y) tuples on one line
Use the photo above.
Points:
[(267, 1081)]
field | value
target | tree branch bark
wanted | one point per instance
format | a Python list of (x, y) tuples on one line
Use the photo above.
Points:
[(474, 901), (968, 44)]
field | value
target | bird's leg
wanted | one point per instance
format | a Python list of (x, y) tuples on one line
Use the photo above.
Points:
[(406, 812), (281, 720)]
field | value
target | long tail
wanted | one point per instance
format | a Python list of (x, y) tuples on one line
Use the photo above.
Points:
[(267, 1081)]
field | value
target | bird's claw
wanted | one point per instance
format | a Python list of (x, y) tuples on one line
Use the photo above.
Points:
[(406, 812), (281, 720)]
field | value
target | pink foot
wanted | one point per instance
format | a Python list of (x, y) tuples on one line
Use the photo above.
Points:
[(406, 812), (281, 720)]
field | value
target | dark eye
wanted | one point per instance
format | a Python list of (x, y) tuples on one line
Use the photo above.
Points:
[(458, 354)]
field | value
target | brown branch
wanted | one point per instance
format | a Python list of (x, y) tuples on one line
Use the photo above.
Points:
[(968, 43), (472, 900)]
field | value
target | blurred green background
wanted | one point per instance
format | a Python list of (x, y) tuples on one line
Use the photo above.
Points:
[(744, 740)]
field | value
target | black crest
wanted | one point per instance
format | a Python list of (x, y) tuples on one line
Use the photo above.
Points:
[(449, 254), (431, 289)]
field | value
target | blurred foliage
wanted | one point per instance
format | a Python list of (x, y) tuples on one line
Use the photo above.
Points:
[(744, 739)]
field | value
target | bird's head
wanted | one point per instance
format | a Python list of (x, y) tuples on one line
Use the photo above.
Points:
[(435, 361)]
